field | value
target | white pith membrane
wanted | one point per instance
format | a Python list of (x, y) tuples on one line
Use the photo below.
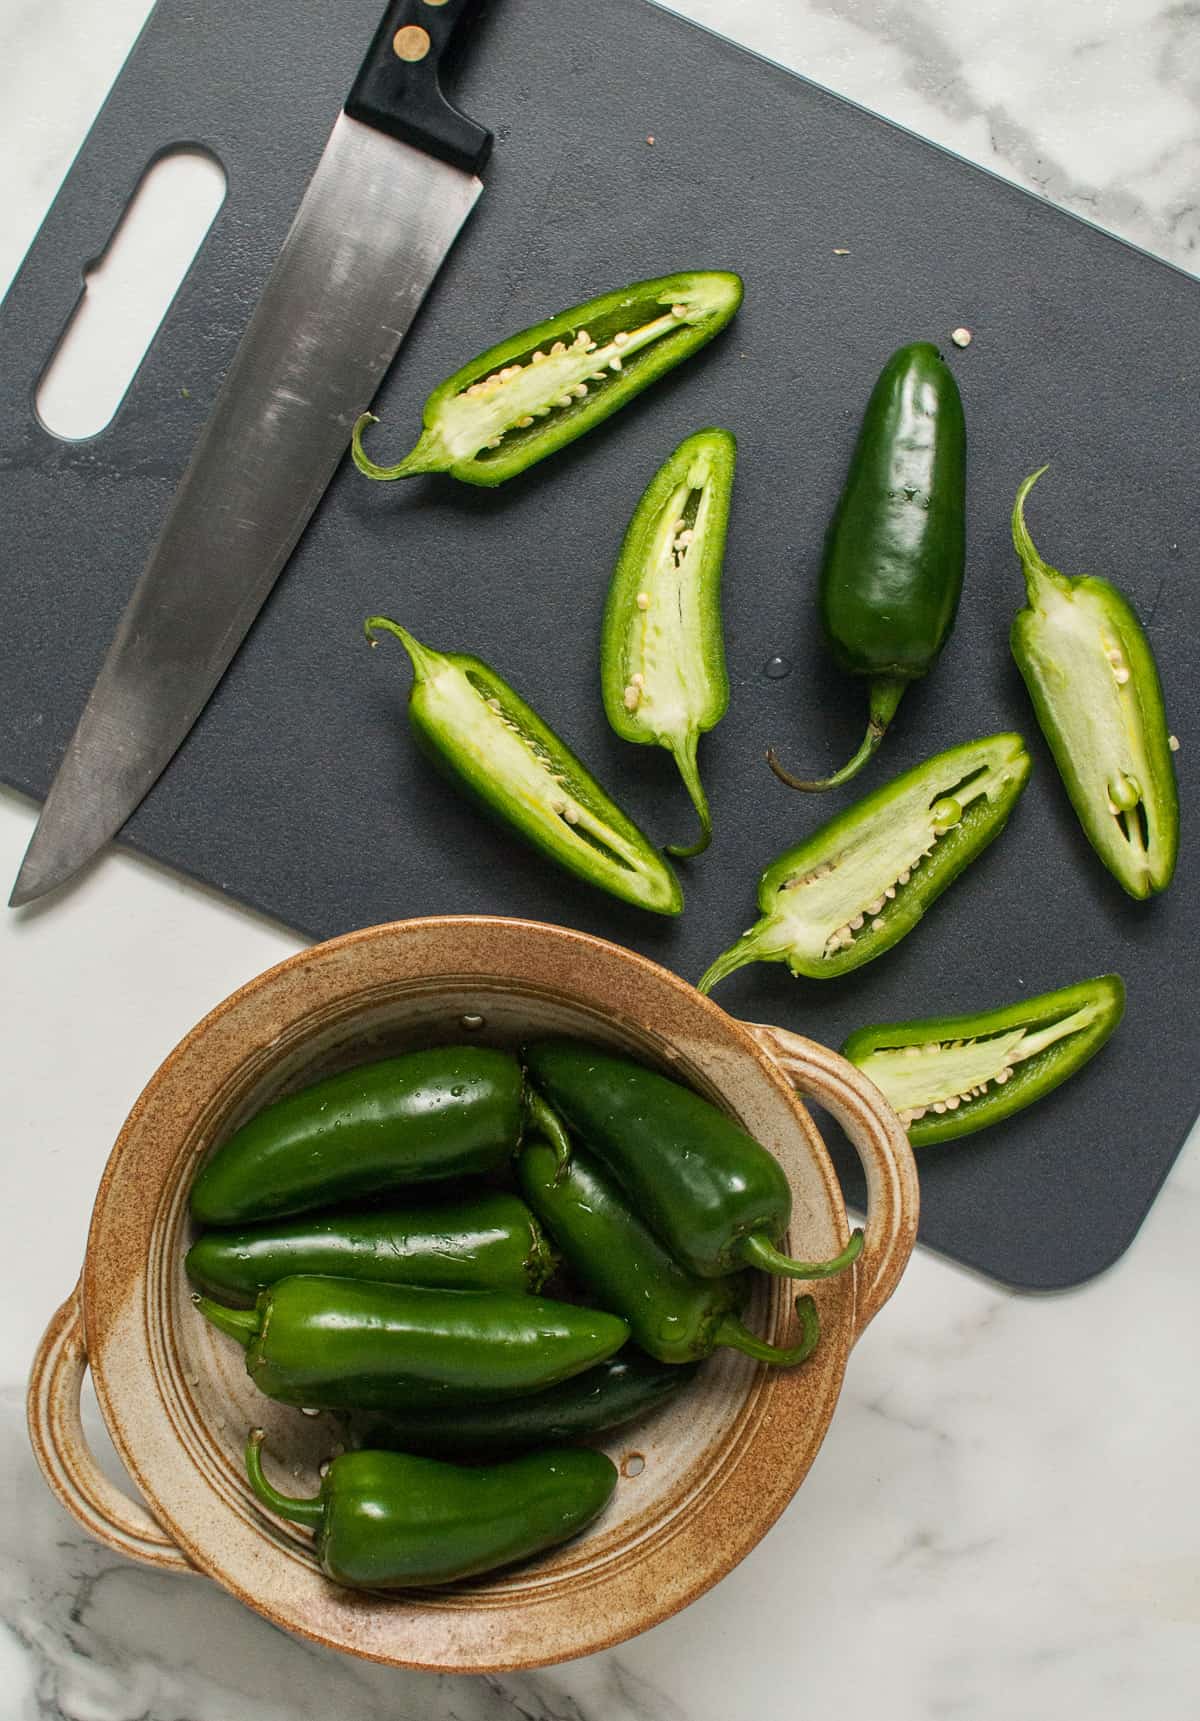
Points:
[(941, 1076), (476, 722), (551, 378), (1081, 663), (820, 911), (666, 682)]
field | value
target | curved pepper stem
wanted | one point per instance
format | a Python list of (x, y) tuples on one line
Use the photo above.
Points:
[(1033, 567), (685, 757), (739, 955), (311, 1511), (886, 692), (542, 1118), (412, 464), (731, 1332), (757, 1251), (423, 660), (240, 1324)]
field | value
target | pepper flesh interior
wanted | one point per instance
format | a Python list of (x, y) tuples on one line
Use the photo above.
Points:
[(820, 911), (495, 408), (664, 647), (943, 1075), (502, 747), (1071, 645)]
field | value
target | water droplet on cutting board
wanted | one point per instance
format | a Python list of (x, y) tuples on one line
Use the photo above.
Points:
[(777, 667)]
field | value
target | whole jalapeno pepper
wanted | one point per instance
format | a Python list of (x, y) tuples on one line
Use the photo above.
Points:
[(491, 1242), (673, 1314), (540, 389), (388, 1520), (1095, 687), (716, 1198), (624, 1389), (344, 1344), (949, 1076), (419, 1118), (662, 655), (507, 759), (892, 571), (856, 886)]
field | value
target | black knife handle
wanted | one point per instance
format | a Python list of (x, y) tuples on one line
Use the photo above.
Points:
[(398, 89)]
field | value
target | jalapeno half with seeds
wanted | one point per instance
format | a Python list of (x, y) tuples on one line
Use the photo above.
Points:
[(499, 749), (542, 388), (1094, 685), (662, 658), (952, 1075), (857, 885)]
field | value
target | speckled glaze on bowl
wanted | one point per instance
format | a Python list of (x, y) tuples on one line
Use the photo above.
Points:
[(702, 1480)]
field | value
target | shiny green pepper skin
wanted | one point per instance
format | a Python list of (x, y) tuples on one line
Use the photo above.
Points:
[(673, 1315), (418, 1118), (387, 1520), (949, 1076), (855, 887), (499, 750), (895, 553), (627, 1387), (347, 1344), (1094, 684), (662, 654), (490, 1242), (537, 391), (713, 1195)]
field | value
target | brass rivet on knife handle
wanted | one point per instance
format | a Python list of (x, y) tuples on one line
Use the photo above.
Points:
[(398, 91), (411, 43)]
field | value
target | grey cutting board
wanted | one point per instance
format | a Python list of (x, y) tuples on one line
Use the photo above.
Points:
[(300, 790)]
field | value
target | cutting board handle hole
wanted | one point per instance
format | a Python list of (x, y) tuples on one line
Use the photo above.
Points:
[(127, 292)]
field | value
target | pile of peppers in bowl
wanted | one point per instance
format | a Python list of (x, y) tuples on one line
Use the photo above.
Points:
[(349, 1293), (890, 582)]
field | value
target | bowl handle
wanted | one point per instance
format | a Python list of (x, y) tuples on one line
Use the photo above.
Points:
[(877, 1136), (61, 1449)]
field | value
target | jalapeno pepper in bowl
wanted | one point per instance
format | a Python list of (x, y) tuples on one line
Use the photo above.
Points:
[(388, 1520), (714, 1195)]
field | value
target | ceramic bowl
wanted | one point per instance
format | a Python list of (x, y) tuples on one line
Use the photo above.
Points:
[(701, 1481)]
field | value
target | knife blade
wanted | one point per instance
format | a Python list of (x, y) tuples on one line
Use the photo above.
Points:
[(394, 185)]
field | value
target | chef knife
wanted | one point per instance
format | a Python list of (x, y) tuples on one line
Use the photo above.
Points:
[(397, 179)]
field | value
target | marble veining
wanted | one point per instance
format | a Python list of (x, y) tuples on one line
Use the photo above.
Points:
[(1001, 1522)]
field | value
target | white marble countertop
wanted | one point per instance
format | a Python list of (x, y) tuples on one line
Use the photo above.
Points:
[(1001, 1522)]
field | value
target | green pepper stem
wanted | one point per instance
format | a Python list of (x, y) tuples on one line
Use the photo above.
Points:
[(737, 956), (541, 1263), (886, 692), (417, 461), (1035, 570), (757, 1251), (542, 1117), (311, 1511), (731, 1332), (685, 757), (241, 1324), (423, 660)]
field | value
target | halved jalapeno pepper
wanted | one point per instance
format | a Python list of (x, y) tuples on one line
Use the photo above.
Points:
[(1094, 685), (858, 884), (951, 1075), (662, 659), (508, 759), (540, 389)]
